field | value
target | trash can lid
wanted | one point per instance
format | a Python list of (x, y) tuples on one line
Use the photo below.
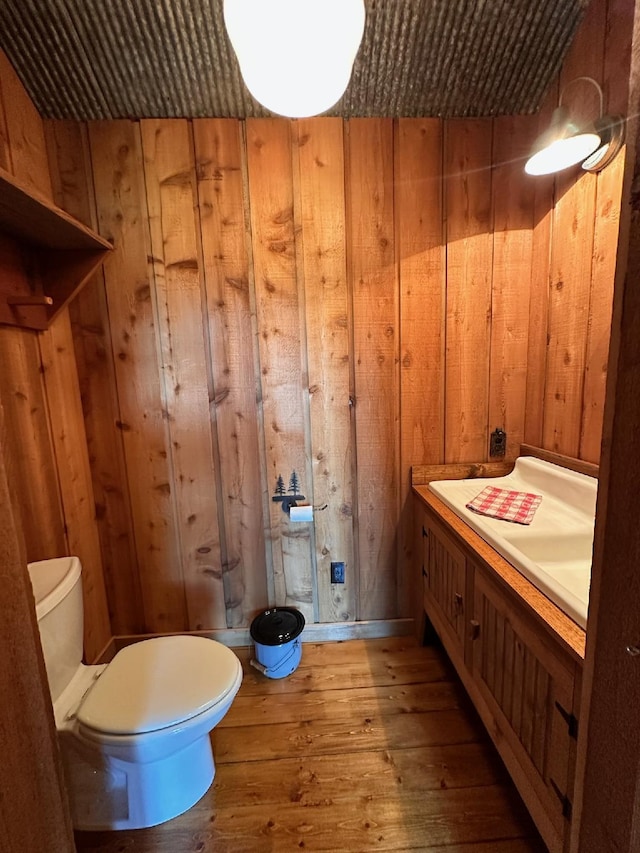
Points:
[(277, 626)]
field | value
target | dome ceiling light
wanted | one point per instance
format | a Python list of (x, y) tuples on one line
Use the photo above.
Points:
[(295, 56)]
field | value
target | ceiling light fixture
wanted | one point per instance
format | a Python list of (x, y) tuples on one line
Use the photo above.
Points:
[(565, 144), (295, 56)]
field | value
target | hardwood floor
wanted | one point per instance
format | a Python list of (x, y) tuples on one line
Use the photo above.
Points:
[(368, 745)]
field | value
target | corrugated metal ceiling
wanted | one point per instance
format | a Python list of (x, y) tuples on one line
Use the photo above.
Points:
[(101, 59)]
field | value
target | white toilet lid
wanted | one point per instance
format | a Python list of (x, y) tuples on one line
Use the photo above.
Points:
[(156, 683)]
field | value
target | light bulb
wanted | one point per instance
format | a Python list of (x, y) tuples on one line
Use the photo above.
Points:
[(295, 56), (562, 153)]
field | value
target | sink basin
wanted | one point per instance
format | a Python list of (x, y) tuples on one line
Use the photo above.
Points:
[(554, 552), (551, 550)]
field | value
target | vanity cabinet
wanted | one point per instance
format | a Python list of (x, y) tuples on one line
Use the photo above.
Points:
[(519, 673)]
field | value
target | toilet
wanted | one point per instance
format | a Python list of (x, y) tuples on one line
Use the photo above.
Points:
[(134, 733)]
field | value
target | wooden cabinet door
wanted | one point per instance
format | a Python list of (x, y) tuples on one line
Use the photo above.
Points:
[(528, 687), (444, 584)]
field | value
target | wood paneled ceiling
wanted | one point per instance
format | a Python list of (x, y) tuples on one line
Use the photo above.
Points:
[(102, 59)]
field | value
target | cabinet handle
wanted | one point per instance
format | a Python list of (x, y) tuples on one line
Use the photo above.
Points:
[(565, 802), (570, 719), (474, 629), (459, 604)]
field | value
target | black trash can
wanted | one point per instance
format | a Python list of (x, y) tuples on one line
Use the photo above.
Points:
[(278, 644)]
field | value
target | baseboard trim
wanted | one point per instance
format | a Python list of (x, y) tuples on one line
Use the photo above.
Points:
[(315, 632)]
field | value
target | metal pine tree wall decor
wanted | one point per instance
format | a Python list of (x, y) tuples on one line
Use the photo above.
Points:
[(291, 499)]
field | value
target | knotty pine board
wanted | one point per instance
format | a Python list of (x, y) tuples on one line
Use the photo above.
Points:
[(467, 182), (230, 300), (97, 504), (280, 319), (71, 176), (571, 254), (326, 665), (607, 220), (5, 152), (318, 148), (74, 474), (118, 173), (327, 778), (376, 337), (29, 456), (363, 823), (340, 652), (617, 54), (421, 259), (568, 316), (70, 169), (339, 703), (542, 192), (420, 251), (171, 200), (111, 490), (337, 737), (513, 212), (27, 147)]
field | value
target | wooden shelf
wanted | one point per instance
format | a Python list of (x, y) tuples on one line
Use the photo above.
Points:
[(46, 256)]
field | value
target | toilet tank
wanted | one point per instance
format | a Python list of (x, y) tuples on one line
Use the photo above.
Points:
[(57, 589)]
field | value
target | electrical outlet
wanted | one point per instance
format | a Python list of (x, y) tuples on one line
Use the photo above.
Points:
[(337, 572)]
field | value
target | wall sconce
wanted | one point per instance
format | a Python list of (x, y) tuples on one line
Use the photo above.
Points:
[(295, 56), (564, 144)]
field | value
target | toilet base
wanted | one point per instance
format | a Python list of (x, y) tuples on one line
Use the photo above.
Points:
[(108, 793)]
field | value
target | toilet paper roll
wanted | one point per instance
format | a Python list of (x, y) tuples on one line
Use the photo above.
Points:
[(301, 513)]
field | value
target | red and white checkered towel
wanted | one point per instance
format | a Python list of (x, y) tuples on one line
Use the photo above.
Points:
[(519, 507)]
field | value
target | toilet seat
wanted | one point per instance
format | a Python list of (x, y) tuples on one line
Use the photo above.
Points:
[(156, 684)]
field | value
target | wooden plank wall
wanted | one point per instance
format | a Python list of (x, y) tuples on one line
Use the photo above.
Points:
[(338, 300), (332, 300), (45, 446), (568, 357), (31, 770)]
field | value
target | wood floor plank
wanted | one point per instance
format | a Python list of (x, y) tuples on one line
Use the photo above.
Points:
[(446, 818), (325, 778), (359, 824), (506, 845), (388, 649), (370, 745), (351, 675), (204, 841), (325, 737), (383, 700)]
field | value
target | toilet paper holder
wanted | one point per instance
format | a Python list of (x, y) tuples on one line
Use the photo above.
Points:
[(288, 501), (291, 500)]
